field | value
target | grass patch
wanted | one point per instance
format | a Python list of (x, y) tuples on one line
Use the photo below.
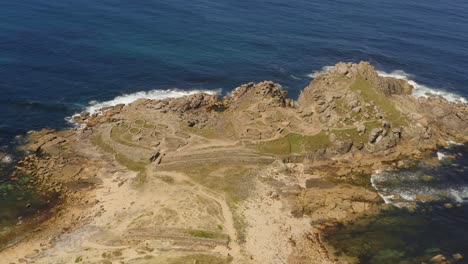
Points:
[(240, 224), (139, 122), (119, 135), (380, 99), (120, 158), (149, 126), (295, 143), (207, 234), (352, 133), (200, 259), (135, 130), (224, 129)]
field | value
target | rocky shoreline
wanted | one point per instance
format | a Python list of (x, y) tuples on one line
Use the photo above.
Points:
[(253, 177)]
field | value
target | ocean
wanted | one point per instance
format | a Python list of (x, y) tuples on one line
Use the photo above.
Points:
[(58, 58)]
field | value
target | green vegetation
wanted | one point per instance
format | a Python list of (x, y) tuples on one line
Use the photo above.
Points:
[(352, 133), (122, 159), (135, 130), (139, 122), (148, 125), (240, 224), (200, 259), (383, 102), (206, 234), (295, 143), (119, 134), (224, 129)]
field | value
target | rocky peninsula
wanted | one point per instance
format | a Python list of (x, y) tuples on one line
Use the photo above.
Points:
[(253, 177)]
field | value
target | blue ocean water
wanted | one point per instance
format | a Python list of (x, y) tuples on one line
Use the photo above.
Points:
[(57, 56)]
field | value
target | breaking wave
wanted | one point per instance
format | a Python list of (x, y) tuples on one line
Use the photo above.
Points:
[(445, 181), (95, 106), (405, 189), (6, 159), (419, 89), (423, 90), (324, 69)]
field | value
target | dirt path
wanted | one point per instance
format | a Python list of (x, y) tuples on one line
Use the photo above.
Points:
[(233, 248)]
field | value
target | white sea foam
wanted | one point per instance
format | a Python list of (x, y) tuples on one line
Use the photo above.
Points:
[(419, 90), (7, 159), (324, 69), (375, 178), (453, 143), (95, 106), (459, 195), (406, 192), (423, 90), (441, 155), (295, 77)]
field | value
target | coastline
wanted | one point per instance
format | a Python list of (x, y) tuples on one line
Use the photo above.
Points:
[(270, 173)]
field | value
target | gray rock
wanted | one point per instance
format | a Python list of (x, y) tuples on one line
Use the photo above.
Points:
[(374, 134), (361, 128), (341, 69), (343, 147), (357, 109)]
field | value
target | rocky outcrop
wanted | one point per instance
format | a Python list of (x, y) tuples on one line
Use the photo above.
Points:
[(256, 92), (204, 154), (388, 85), (192, 102)]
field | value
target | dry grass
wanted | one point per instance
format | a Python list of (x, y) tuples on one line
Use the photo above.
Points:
[(120, 135), (207, 234), (200, 259), (120, 158), (232, 179)]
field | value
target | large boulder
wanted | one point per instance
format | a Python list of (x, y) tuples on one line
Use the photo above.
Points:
[(195, 101), (267, 91)]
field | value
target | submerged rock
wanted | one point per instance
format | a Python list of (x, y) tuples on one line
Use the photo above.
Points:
[(457, 256), (438, 259)]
